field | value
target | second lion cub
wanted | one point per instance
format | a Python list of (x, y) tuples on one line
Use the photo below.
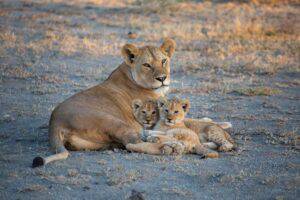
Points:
[(172, 114)]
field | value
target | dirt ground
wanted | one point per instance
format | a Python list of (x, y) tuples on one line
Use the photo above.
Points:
[(235, 61)]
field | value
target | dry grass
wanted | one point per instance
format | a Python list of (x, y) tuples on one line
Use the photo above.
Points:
[(260, 36), (32, 188), (258, 91), (177, 191)]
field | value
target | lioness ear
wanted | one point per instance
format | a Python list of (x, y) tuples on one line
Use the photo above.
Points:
[(136, 104), (161, 102), (168, 46), (129, 52), (185, 105)]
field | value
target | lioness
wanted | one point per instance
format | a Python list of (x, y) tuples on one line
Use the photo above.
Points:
[(101, 116), (170, 131)]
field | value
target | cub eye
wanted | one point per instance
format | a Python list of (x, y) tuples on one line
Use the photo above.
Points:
[(176, 112), (164, 61), (147, 65), (166, 110), (154, 112), (144, 112)]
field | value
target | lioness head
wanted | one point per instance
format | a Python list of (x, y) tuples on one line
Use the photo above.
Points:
[(173, 111), (150, 66), (146, 113)]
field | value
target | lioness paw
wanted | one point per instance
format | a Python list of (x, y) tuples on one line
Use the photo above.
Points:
[(173, 148), (153, 139)]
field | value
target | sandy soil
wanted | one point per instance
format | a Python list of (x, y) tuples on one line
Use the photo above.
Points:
[(235, 62)]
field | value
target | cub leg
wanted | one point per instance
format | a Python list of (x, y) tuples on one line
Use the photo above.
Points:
[(196, 124), (217, 135), (210, 145), (205, 152)]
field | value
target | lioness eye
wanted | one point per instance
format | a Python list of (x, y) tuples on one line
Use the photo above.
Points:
[(153, 112), (144, 112), (166, 110), (164, 61), (176, 111), (147, 65)]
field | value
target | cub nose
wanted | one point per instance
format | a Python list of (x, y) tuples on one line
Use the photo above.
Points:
[(161, 78)]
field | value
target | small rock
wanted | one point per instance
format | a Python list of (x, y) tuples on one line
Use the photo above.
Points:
[(136, 195), (132, 35)]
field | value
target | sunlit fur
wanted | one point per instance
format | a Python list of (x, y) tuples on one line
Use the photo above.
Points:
[(101, 116)]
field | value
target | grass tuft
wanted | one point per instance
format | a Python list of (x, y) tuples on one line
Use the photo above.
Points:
[(258, 91)]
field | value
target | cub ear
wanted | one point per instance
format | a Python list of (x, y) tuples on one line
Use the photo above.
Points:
[(136, 104), (168, 46), (161, 102), (129, 52), (185, 105)]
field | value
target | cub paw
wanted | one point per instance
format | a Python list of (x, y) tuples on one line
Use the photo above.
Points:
[(226, 147)]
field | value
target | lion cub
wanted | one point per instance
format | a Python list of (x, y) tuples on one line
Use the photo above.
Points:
[(171, 128), (170, 131), (146, 112), (175, 139)]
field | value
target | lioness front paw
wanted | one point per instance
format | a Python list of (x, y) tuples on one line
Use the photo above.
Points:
[(172, 148)]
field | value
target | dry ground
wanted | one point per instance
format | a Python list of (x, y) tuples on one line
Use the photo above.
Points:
[(236, 61)]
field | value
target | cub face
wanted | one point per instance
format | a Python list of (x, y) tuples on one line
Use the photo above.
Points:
[(150, 66), (173, 111), (146, 113)]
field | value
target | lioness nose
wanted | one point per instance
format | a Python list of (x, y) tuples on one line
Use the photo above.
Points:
[(161, 78)]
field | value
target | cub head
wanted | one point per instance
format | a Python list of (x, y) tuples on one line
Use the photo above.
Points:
[(146, 113), (150, 66), (173, 111)]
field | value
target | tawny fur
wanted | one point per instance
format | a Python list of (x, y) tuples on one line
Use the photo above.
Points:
[(98, 117)]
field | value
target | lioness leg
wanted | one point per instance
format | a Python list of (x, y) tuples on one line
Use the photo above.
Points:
[(145, 147), (155, 138), (217, 135), (78, 143), (166, 148), (121, 132)]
